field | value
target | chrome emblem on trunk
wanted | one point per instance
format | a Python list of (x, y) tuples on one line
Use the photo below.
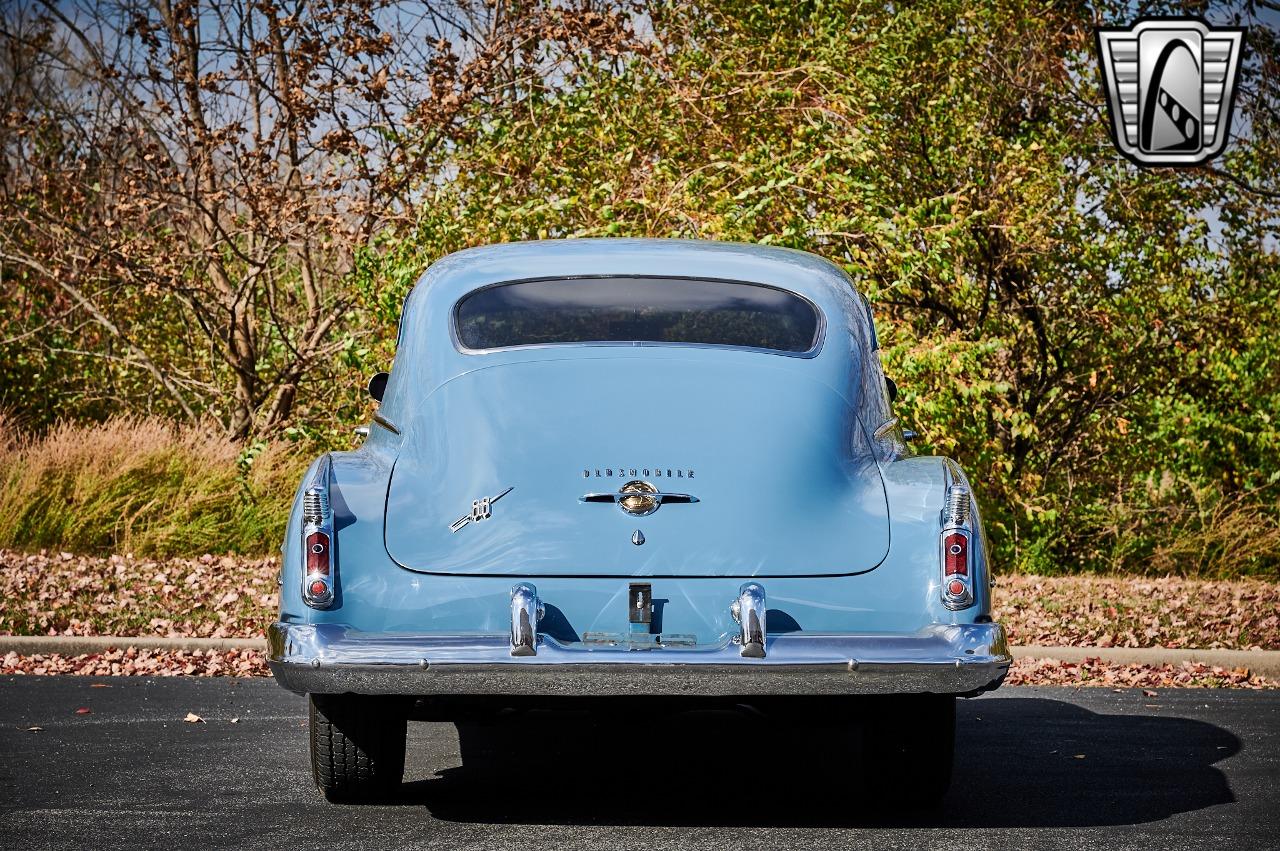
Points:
[(639, 499), (481, 509)]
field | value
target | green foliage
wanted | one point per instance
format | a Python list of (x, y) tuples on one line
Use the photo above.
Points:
[(1096, 343), (1064, 324)]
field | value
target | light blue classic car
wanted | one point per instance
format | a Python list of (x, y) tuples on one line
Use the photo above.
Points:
[(636, 468)]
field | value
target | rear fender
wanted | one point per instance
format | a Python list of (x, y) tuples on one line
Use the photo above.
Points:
[(916, 488), (357, 494)]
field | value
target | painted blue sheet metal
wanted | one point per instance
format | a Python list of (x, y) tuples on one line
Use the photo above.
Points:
[(769, 437), (376, 595), (766, 453), (429, 356), (787, 483)]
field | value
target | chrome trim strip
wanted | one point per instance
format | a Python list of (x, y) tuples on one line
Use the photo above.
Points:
[(942, 659), (885, 427), (955, 510), (385, 423), (662, 498)]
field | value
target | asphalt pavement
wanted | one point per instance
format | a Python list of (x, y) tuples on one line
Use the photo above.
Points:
[(1036, 767)]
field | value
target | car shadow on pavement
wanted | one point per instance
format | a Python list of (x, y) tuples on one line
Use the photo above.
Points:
[(1020, 762)]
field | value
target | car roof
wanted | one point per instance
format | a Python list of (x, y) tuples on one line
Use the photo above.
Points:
[(427, 346), (807, 274)]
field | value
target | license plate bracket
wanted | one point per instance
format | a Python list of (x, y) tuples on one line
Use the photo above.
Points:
[(640, 607)]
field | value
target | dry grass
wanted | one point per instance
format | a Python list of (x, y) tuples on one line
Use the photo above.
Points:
[(143, 486), (1173, 526)]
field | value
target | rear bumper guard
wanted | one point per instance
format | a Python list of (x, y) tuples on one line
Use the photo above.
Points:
[(940, 659)]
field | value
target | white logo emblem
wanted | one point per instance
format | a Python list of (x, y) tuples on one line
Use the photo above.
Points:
[(1170, 84)]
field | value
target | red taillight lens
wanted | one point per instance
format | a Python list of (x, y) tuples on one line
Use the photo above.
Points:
[(955, 552), (318, 553)]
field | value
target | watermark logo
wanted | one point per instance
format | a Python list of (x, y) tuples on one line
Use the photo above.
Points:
[(1170, 87)]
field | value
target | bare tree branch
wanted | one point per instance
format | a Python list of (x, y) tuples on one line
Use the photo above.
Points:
[(139, 355)]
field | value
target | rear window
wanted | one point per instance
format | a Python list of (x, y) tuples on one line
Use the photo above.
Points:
[(637, 310)]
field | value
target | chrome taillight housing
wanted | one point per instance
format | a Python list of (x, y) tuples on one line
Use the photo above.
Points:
[(954, 540), (317, 540)]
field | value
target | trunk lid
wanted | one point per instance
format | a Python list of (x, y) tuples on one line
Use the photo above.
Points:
[(763, 449)]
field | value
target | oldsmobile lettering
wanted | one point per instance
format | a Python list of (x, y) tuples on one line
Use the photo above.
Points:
[(637, 472)]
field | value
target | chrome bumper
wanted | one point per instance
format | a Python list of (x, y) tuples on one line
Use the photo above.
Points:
[(942, 659)]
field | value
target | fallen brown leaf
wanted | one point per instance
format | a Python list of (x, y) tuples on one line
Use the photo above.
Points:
[(1091, 610), (148, 663), (193, 718), (1095, 672), (64, 594)]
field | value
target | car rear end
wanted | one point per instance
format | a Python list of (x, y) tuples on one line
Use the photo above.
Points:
[(637, 469)]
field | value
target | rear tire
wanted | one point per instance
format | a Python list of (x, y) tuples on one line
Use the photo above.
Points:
[(909, 747), (357, 745)]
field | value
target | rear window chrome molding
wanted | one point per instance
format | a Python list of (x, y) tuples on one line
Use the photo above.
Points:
[(820, 331)]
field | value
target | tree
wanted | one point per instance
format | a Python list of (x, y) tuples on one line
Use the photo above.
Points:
[(192, 178), (1038, 296)]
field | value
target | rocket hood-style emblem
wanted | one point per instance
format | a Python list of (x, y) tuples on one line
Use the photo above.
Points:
[(1170, 86), (481, 509)]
